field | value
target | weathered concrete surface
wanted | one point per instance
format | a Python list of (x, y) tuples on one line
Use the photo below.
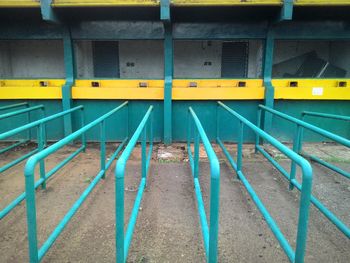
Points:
[(168, 228)]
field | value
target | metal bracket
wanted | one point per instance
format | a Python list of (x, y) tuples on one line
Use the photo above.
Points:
[(47, 13), (165, 10), (286, 12)]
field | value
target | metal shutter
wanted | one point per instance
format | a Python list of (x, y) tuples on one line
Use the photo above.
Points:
[(106, 59), (234, 60)]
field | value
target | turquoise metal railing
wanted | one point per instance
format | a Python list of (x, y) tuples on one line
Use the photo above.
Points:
[(297, 147), (41, 139), (36, 255), (210, 234), (314, 158), (305, 188), (19, 112), (123, 242), (17, 105)]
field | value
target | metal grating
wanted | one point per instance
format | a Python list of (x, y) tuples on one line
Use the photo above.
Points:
[(234, 59)]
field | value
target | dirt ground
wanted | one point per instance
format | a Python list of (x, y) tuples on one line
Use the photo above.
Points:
[(168, 227)]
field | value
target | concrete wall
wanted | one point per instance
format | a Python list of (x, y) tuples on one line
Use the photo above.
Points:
[(33, 59), (148, 59), (340, 55)]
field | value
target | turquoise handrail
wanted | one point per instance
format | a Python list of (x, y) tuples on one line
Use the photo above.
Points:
[(299, 253), (36, 255), (297, 147), (210, 234), (123, 241)]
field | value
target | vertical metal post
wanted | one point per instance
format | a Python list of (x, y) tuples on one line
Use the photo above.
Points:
[(144, 152), (29, 137), (196, 153), (41, 147), (82, 124), (44, 128), (189, 130), (70, 75), (240, 146), (31, 218), (119, 208), (269, 89), (217, 122), (103, 148), (296, 145), (258, 123)]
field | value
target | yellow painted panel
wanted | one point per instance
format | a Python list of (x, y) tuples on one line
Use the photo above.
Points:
[(71, 3), (224, 2), (218, 93), (20, 3), (30, 92), (183, 89), (120, 83), (321, 2), (217, 83), (31, 82), (327, 89)]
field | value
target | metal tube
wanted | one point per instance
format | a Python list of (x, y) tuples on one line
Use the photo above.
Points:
[(122, 243), (326, 115), (103, 147), (202, 216), (328, 165), (18, 160), (13, 146), (18, 112), (133, 217), (240, 146), (7, 107), (308, 126)]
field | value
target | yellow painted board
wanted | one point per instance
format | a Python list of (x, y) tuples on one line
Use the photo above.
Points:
[(30, 92), (217, 93), (119, 83), (312, 93), (20, 3), (304, 83), (105, 3), (117, 93), (31, 82), (224, 2), (217, 83), (322, 2)]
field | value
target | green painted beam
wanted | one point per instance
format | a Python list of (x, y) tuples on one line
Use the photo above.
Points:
[(70, 77)]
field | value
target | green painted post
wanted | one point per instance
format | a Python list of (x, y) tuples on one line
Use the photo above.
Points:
[(286, 12), (82, 124), (196, 154), (269, 89), (31, 217), (240, 146), (168, 69), (257, 137), (70, 75), (144, 152), (103, 148), (296, 147), (41, 146)]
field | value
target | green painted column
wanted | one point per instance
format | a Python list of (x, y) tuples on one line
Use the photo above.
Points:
[(269, 89), (168, 70), (70, 75)]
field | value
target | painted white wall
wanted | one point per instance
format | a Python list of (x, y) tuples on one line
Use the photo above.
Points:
[(35, 59)]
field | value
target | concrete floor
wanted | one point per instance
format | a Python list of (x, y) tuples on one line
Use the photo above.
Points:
[(168, 228)]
